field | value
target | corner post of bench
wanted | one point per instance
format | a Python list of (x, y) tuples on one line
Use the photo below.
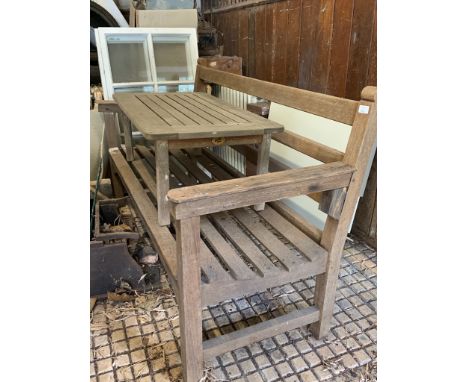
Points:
[(358, 151), (161, 150), (263, 160), (188, 280), (127, 127)]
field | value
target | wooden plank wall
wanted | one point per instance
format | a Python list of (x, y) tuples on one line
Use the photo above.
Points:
[(328, 46)]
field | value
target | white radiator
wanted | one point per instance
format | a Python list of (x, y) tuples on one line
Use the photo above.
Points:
[(238, 99)]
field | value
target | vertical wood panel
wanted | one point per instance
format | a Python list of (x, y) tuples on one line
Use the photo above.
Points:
[(244, 38), (329, 46), (339, 54), (372, 70), (279, 58), (270, 46), (310, 10), (321, 43), (260, 42), (293, 37), (361, 34), (252, 52), (235, 33)]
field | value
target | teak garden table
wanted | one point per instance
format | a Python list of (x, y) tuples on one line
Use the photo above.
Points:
[(190, 120)]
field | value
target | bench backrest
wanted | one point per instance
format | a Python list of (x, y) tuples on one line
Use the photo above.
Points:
[(361, 115)]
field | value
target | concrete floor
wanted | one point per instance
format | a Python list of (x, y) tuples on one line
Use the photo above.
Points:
[(139, 340)]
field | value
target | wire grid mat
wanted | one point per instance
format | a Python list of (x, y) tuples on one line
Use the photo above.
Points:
[(140, 340)]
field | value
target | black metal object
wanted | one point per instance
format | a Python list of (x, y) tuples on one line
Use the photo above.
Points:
[(111, 264)]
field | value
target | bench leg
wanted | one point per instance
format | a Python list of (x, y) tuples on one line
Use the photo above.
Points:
[(262, 162), (325, 285), (127, 127), (161, 150), (188, 280)]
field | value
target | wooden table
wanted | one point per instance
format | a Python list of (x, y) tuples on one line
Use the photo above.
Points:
[(190, 120)]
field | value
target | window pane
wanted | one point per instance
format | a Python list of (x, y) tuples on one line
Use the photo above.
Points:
[(134, 89), (175, 88), (171, 61), (128, 62)]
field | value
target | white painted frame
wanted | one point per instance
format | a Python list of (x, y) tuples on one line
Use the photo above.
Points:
[(145, 35)]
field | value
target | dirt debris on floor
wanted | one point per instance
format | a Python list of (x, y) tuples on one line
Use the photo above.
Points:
[(139, 340)]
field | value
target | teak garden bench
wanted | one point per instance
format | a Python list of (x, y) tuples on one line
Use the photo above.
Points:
[(216, 253)]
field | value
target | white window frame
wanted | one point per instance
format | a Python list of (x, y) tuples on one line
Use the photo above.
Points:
[(147, 35)]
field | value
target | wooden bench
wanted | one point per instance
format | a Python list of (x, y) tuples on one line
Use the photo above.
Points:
[(225, 249)]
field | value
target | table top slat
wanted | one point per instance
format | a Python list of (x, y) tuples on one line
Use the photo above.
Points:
[(183, 108), (166, 111), (199, 109), (224, 115), (245, 114), (172, 116)]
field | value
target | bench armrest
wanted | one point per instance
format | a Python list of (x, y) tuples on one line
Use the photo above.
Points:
[(229, 194)]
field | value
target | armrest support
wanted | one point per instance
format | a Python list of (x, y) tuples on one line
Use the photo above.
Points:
[(106, 106), (208, 198)]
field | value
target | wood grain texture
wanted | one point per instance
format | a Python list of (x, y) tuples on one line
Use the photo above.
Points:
[(309, 147), (359, 51), (258, 332), (263, 159), (235, 193), (162, 181), (337, 109), (339, 52), (325, 42), (160, 116), (188, 270), (358, 150), (160, 236)]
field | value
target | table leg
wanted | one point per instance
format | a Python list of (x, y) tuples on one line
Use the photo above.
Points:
[(262, 162), (161, 150), (127, 127)]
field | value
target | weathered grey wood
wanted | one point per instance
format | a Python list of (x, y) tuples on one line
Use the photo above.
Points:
[(240, 239), (127, 127), (234, 340), (162, 181), (332, 202), (160, 117), (213, 168), (235, 193), (211, 267), (299, 239), (237, 267), (252, 222), (250, 153), (337, 109), (193, 111), (210, 142), (188, 271), (234, 172), (358, 150), (108, 106), (297, 220), (262, 162), (215, 109), (160, 236), (191, 166), (146, 176), (309, 147), (110, 132)]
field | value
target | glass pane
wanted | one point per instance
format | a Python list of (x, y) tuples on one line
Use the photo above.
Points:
[(128, 62), (171, 61), (175, 88), (169, 4), (135, 89)]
